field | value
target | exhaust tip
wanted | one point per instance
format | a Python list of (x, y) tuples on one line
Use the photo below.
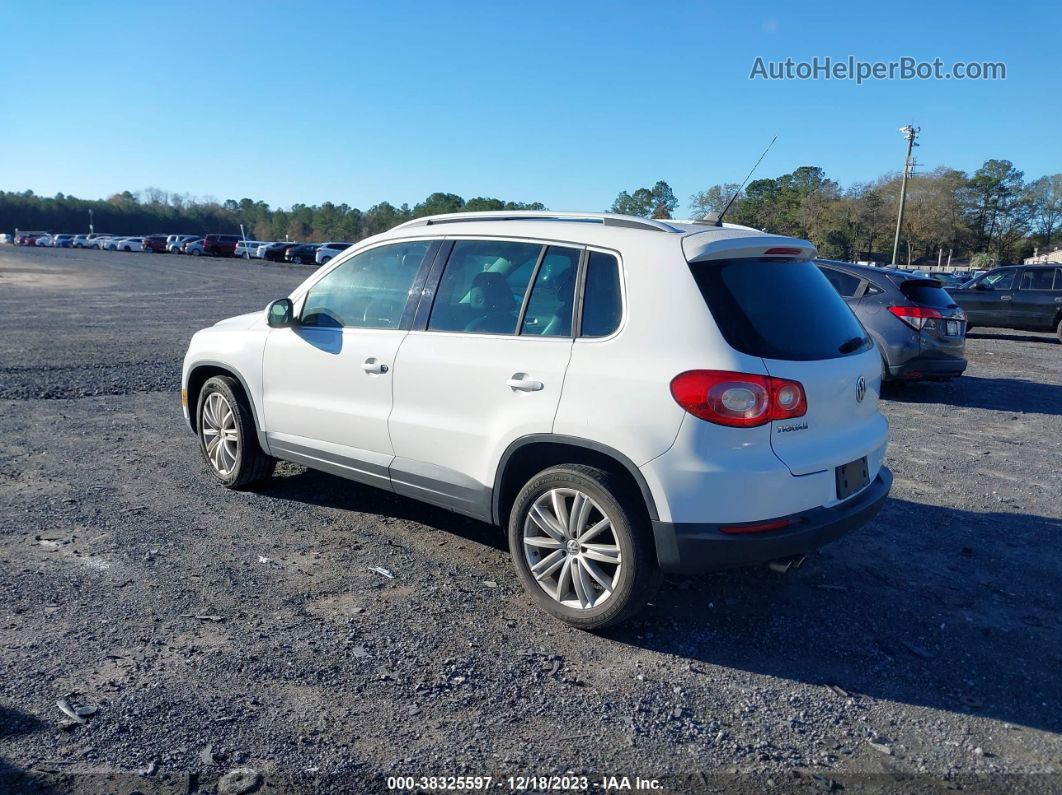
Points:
[(783, 565)]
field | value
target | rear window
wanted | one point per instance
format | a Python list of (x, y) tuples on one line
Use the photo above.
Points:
[(926, 293), (779, 309)]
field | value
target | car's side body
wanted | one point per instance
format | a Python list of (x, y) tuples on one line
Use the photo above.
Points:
[(1024, 297), (220, 245), (302, 253), (460, 419), (329, 251), (175, 243)]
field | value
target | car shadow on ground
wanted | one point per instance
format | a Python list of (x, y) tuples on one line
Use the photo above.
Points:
[(1046, 337), (292, 482), (994, 394), (927, 605), (15, 723)]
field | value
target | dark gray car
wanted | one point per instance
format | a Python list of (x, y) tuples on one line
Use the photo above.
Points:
[(918, 328)]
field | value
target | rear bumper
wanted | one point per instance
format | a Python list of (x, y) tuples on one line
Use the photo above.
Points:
[(929, 367), (688, 548)]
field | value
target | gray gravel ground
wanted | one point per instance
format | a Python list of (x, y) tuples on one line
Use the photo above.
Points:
[(214, 630)]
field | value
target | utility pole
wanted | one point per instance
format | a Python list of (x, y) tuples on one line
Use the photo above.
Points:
[(92, 228), (910, 133)]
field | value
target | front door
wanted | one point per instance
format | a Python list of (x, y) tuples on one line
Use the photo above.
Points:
[(486, 368), (327, 380), (987, 302)]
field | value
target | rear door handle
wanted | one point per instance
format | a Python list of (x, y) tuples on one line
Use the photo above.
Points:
[(373, 366), (524, 383), (1005, 297)]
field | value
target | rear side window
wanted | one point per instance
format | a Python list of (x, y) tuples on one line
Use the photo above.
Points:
[(602, 301), (483, 285), (779, 309), (926, 293), (1040, 279), (844, 283), (549, 309)]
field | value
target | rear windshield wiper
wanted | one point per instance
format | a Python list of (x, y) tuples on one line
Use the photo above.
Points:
[(853, 344)]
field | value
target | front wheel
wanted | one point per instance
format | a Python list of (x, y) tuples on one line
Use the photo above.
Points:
[(228, 437), (196, 252), (296, 260), (582, 546)]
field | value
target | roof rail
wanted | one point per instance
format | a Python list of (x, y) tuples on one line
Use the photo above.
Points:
[(606, 219)]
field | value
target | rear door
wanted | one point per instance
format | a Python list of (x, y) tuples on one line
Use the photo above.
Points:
[(1037, 300), (787, 313), (483, 366)]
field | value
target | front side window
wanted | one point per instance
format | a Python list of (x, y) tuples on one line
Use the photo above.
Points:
[(602, 298), (1000, 280), (369, 290), (549, 309), (483, 286)]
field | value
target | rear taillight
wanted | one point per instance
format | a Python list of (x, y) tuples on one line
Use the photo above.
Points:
[(740, 400), (917, 317)]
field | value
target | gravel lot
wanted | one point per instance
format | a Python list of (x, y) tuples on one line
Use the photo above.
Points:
[(214, 630)]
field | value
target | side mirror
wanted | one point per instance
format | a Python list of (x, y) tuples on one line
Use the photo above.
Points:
[(280, 313)]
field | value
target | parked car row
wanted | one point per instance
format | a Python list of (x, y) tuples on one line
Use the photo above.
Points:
[(214, 245)]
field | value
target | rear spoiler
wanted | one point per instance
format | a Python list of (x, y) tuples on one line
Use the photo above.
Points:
[(706, 246)]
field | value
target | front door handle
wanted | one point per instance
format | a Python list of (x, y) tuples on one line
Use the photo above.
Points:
[(373, 366), (523, 383), (1005, 297)]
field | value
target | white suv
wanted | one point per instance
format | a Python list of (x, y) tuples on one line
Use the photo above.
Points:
[(627, 397)]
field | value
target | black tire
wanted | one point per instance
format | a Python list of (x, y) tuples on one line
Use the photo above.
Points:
[(197, 252), (639, 575), (296, 260), (251, 463), (215, 252)]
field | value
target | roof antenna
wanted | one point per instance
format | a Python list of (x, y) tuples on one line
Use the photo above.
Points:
[(717, 218)]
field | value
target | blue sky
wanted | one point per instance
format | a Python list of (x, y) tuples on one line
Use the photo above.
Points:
[(561, 102)]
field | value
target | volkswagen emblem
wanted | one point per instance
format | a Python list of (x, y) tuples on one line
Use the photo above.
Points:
[(861, 389)]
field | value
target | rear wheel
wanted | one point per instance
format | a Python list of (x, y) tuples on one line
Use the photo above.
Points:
[(296, 260), (582, 546), (197, 252), (228, 437)]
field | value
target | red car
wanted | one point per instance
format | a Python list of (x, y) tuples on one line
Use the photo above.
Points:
[(220, 245), (155, 244)]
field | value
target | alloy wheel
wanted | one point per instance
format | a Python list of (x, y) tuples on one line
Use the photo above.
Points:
[(571, 548), (221, 438)]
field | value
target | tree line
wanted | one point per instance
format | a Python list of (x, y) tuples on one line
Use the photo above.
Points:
[(994, 215), (156, 211)]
